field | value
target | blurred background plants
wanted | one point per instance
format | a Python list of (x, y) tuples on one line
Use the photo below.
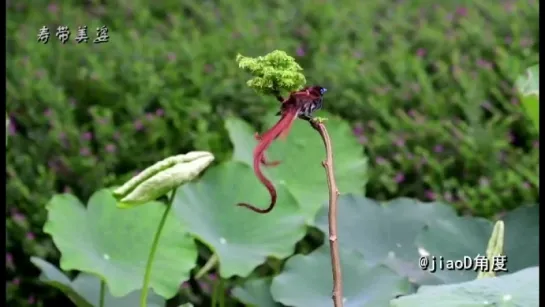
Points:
[(427, 87)]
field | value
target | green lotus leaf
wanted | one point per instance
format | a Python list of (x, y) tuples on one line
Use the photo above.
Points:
[(386, 233), (516, 289), (114, 243), (307, 281), (242, 239), (256, 292), (84, 290)]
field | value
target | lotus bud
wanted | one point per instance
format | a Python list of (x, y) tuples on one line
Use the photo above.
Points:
[(162, 177)]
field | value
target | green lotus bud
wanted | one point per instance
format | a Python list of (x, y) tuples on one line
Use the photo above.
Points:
[(494, 248), (162, 177), (273, 72)]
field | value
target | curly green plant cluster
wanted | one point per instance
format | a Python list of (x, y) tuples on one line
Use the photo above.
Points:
[(273, 72)]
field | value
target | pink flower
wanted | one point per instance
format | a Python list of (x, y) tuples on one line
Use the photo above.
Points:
[(30, 236), (159, 112), (399, 178), (399, 142), (430, 195), (300, 51), (358, 129), (421, 52), (85, 151), (53, 8), (110, 148), (87, 136), (461, 11), (12, 128), (138, 125), (18, 217), (380, 160)]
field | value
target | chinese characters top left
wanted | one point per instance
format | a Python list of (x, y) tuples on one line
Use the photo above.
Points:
[(63, 35)]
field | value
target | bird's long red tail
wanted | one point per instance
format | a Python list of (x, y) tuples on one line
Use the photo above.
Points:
[(281, 128)]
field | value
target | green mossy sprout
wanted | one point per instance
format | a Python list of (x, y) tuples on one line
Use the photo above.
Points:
[(276, 71), (494, 249)]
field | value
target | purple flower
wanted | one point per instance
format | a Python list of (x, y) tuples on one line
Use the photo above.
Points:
[(16, 281), (526, 185), (138, 125), (399, 142), (358, 129), (9, 261), (511, 137), (526, 42), (486, 105), (31, 300), (461, 11), (110, 148), (85, 151), (53, 8), (514, 101), (48, 112), (300, 51), (399, 178), (12, 128), (204, 286), (185, 285), (380, 160), (30, 236), (159, 112), (438, 148), (18, 217), (508, 7), (484, 64), (102, 120), (430, 195), (149, 116), (362, 139), (171, 56), (421, 52), (87, 136)]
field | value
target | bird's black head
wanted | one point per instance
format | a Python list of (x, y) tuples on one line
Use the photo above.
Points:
[(319, 89)]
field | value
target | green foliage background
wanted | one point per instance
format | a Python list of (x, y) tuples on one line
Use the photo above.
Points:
[(428, 88)]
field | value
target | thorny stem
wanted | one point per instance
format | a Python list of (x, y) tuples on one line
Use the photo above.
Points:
[(337, 295), (154, 245)]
